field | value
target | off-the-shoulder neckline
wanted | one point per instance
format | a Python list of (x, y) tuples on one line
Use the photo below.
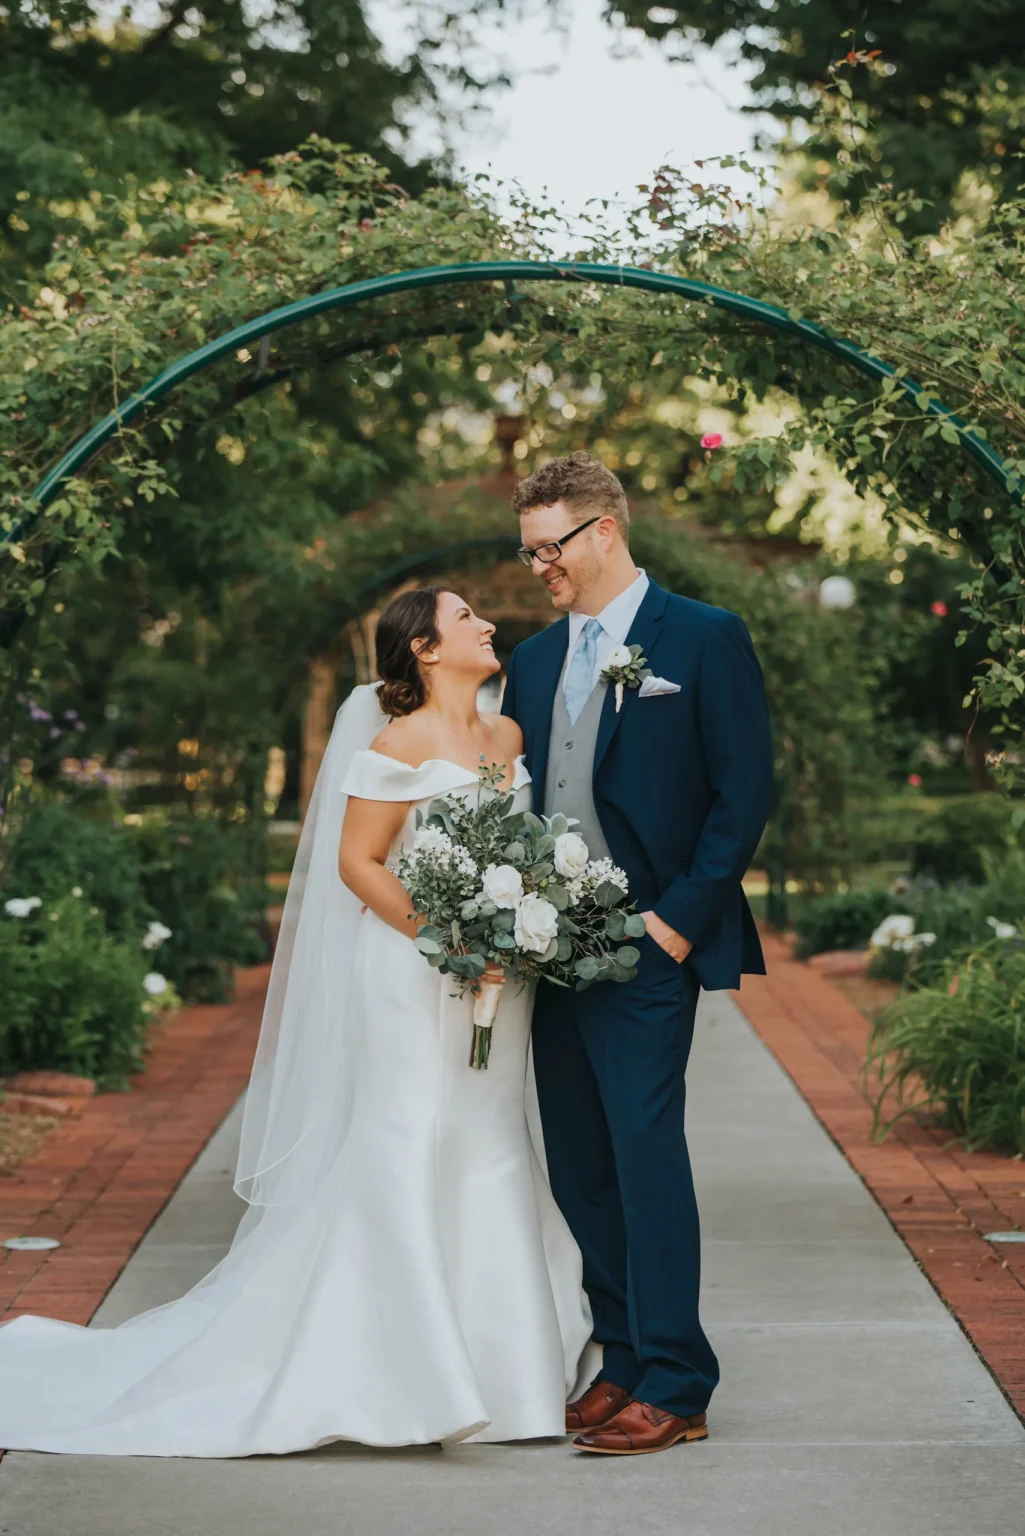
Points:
[(448, 762)]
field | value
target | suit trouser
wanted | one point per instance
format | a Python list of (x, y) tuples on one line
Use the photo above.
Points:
[(610, 1064)]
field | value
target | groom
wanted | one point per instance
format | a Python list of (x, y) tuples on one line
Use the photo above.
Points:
[(675, 788)]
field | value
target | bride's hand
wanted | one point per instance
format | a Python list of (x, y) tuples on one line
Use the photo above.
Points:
[(494, 973)]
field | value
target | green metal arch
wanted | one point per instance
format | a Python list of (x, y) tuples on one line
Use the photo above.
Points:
[(353, 294)]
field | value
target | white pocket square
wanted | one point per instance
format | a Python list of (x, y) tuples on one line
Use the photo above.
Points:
[(652, 687)]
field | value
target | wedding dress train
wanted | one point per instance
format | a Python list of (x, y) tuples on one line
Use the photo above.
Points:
[(428, 1290)]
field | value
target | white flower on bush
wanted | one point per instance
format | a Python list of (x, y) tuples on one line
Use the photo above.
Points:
[(899, 925), (1003, 930), (155, 935), (537, 924), (22, 906), (154, 983), (76, 890), (570, 855), (503, 885), (913, 941), (619, 656)]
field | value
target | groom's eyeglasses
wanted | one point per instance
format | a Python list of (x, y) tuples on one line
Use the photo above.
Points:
[(549, 553)]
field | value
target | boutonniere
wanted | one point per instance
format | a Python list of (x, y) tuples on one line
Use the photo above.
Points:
[(627, 667)]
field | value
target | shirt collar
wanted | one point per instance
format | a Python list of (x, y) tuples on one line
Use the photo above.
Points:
[(616, 617)]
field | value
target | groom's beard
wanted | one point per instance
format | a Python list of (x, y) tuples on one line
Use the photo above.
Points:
[(568, 592)]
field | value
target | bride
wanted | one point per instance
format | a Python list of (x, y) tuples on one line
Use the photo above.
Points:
[(402, 1274)]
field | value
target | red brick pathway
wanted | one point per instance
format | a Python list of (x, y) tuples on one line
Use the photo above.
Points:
[(99, 1182), (941, 1199)]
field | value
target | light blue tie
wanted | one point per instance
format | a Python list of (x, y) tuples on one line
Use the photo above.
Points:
[(579, 679)]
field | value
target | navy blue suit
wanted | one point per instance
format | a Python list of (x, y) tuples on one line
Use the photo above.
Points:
[(682, 786)]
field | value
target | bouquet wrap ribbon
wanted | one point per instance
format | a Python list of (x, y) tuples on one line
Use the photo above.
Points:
[(485, 1007), (485, 1004)]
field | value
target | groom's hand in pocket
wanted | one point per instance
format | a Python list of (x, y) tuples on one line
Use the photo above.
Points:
[(674, 944)]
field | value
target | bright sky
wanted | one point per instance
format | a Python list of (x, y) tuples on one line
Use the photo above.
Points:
[(592, 112)]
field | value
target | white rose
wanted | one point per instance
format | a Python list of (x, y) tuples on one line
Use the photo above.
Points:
[(537, 924), (899, 925), (155, 983), (619, 656), (21, 906), (502, 884), (570, 855)]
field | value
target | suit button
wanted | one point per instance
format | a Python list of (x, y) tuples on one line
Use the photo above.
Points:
[(562, 784), (569, 746)]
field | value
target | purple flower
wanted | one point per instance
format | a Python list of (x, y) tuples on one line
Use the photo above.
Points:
[(54, 732), (71, 714), (105, 778), (37, 713), (79, 725)]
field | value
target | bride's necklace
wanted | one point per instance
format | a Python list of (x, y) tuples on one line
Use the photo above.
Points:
[(455, 730)]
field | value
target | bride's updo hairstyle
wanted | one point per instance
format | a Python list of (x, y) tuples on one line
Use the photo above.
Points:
[(409, 617)]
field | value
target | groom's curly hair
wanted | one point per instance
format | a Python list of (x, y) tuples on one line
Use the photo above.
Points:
[(579, 482)]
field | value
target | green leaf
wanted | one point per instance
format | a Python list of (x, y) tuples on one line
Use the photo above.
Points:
[(608, 895), (557, 895), (627, 956), (427, 946), (635, 926), (587, 968), (615, 926), (551, 950)]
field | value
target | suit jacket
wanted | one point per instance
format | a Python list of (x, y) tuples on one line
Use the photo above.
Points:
[(682, 781)]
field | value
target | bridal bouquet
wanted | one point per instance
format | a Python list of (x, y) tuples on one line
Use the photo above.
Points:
[(513, 890)]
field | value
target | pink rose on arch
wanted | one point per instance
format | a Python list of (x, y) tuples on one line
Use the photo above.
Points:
[(939, 609), (712, 440)]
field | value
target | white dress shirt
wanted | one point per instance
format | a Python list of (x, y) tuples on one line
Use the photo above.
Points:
[(615, 619)]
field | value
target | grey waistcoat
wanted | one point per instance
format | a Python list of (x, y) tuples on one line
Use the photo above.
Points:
[(568, 782)]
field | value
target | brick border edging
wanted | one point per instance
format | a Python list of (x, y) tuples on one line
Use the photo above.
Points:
[(940, 1199)]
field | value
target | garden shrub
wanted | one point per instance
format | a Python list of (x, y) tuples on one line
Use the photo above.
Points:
[(960, 918), (958, 1047), (952, 845), (845, 920), (194, 876), (72, 997), (59, 845)]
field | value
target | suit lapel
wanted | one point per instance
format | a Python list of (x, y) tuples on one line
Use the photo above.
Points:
[(552, 645), (644, 632)]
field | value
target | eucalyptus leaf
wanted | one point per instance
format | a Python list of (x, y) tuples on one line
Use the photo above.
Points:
[(635, 926), (628, 956)]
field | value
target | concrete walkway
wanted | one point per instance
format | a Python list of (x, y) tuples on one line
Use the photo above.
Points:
[(851, 1403)]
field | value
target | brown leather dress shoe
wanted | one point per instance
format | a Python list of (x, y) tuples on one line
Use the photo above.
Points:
[(639, 1428), (600, 1403)]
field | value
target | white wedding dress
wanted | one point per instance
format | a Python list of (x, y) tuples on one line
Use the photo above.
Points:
[(427, 1290)]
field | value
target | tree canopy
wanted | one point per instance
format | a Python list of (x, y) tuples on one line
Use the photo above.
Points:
[(944, 83)]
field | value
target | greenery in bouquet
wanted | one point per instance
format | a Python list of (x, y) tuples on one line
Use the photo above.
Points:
[(505, 888)]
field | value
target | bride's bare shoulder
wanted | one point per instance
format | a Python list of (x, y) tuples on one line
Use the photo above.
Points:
[(406, 739), (505, 732)]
